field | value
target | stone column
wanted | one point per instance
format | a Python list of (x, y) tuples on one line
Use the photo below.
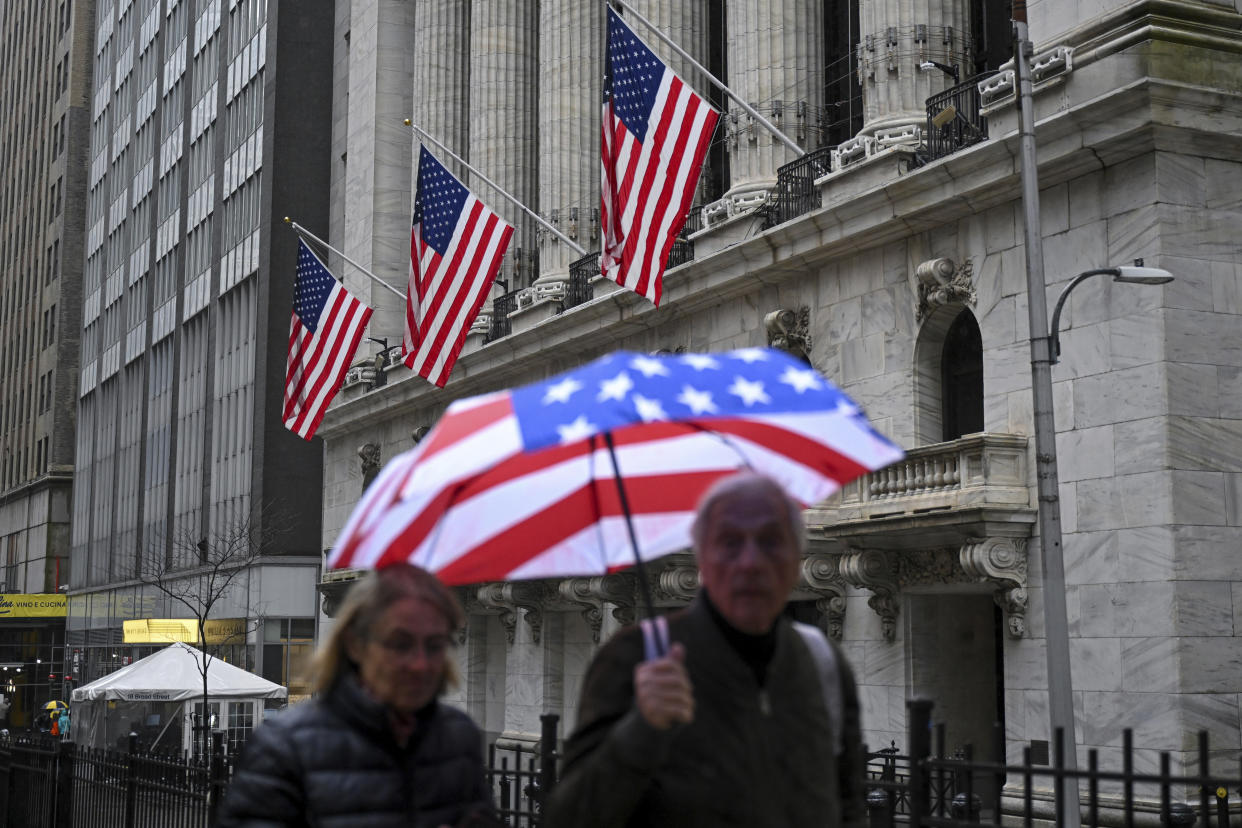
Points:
[(504, 89), (441, 79), (775, 59), (898, 35), (570, 73), (687, 23), (377, 165)]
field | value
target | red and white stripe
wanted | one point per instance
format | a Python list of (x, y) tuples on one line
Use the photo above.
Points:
[(446, 293), (471, 505), (648, 186), (318, 361)]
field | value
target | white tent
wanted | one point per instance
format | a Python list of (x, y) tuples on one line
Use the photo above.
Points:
[(152, 692)]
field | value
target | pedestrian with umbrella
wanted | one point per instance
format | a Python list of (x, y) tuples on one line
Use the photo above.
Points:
[(747, 720), (725, 714)]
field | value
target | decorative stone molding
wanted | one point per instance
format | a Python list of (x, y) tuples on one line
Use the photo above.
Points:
[(942, 282), (821, 575), (508, 598), (417, 435), (678, 582), (592, 593), (790, 331), (369, 458), (1003, 562), (876, 571), (832, 608), (926, 567)]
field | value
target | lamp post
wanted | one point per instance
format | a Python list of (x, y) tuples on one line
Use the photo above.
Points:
[(1045, 348)]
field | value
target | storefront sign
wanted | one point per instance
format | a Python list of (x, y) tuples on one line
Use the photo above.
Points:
[(168, 630), (19, 605)]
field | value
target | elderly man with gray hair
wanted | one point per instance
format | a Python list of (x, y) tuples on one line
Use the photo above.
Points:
[(745, 718)]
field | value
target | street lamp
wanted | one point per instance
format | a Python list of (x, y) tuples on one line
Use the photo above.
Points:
[(1136, 275)]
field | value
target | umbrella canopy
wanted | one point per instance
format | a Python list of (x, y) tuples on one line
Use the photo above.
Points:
[(524, 483), (56, 705)]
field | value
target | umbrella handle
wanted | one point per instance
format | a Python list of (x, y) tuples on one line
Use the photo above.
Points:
[(643, 582)]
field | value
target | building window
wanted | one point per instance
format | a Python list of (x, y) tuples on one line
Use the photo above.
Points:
[(961, 366), (287, 647)]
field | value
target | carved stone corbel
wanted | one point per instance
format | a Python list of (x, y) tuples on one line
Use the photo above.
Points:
[(369, 458), (508, 598), (821, 574), (790, 331), (942, 282), (593, 592), (875, 570), (678, 581), (1002, 562)]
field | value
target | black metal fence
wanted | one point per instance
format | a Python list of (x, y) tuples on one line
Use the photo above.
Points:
[(520, 776), (795, 192), (45, 783)]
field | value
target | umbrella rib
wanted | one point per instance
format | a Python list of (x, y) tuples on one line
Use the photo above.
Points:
[(644, 584)]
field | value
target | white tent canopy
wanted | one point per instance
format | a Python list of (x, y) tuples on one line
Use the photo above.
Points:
[(149, 696), (174, 674)]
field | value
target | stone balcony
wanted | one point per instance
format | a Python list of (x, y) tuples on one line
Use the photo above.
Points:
[(943, 493), (949, 517)]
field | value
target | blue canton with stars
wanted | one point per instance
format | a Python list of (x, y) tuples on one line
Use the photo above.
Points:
[(311, 288), (627, 388), (438, 203), (633, 76)]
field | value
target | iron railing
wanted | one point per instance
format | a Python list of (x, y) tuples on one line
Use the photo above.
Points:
[(694, 221), (795, 193), (953, 120), (581, 272), (681, 252), (502, 306)]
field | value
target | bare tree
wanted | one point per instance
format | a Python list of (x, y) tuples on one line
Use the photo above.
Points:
[(201, 575)]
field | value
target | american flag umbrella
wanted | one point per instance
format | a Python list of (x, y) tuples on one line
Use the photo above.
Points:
[(582, 473)]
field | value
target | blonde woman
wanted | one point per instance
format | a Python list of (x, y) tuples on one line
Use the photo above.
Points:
[(374, 748)]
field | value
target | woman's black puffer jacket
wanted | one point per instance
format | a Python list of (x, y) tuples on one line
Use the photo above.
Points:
[(333, 763)]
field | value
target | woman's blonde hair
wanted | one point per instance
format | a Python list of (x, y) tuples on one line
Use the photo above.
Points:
[(366, 602)]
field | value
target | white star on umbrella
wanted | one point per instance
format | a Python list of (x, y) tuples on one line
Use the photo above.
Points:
[(615, 388), (700, 402), (649, 367), (749, 355), (648, 409), (562, 391), (577, 430), (749, 392), (700, 362), (801, 379)]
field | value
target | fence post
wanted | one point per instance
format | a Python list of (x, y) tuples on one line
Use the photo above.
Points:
[(6, 775), (131, 783), (218, 777), (918, 719), (63, 797), (548, 756)]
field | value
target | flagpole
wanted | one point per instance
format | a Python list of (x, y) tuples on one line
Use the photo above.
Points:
[(302, 231), (750, 110), (495, 187)]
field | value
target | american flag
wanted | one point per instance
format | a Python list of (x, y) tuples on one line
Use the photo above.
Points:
[(324, 333), (656, 132), (456, 245), (520, 483)]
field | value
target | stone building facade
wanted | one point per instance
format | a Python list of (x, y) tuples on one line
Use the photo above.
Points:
[(902, 278)]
